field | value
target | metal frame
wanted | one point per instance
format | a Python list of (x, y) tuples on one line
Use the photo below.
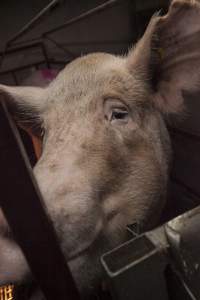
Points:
[(160, 264), (13, 47), (33, 22), (37, 238), (10, 51), (46, 36), (45, 61)]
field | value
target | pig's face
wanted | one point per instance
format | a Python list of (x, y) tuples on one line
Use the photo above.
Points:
[(105, 147), (103, 163)]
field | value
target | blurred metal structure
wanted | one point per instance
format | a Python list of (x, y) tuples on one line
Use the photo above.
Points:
[(14, 46), (33, 22), (43, 62), (160, 264)]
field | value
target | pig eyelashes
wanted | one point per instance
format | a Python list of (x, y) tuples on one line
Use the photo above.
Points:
[(119, 114), (115, 111)]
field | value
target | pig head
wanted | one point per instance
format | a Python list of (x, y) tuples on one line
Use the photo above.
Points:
[(105, 147)]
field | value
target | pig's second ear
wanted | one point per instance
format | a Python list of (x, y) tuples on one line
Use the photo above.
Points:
[(168, 55), (25, 104)]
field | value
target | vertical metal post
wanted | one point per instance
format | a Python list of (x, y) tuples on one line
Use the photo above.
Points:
[(25, 212)]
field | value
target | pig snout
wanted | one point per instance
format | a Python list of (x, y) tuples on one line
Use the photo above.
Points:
[(70, 203)]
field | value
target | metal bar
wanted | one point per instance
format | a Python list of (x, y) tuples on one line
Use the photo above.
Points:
[(3, 54), (92, 42), (59, 46), (44, 51), (18, 49), (83, 16), (22, 67), (177, 288), (24, 210), (27, 41), (161, 264), (183, 236), (15, 78), (60, 62), (23, 47), (30, 24), (135, 270)]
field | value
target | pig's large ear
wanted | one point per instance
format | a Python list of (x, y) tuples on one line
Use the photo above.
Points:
[(168, 55), (26, 104)]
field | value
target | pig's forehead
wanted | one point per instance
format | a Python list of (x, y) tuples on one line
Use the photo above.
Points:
[(93, 65), (93, 75)]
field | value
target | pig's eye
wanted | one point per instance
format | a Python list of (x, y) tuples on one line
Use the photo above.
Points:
[(116, 111), (119, 114)]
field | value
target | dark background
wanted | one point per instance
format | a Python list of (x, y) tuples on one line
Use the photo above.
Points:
[(112, 30)]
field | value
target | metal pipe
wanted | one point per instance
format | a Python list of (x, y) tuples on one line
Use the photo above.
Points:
[(32, 22), (20, 48), (83, 16), (61, 47)]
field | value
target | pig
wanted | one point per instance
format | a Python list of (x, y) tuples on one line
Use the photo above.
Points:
[(105, 147)]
